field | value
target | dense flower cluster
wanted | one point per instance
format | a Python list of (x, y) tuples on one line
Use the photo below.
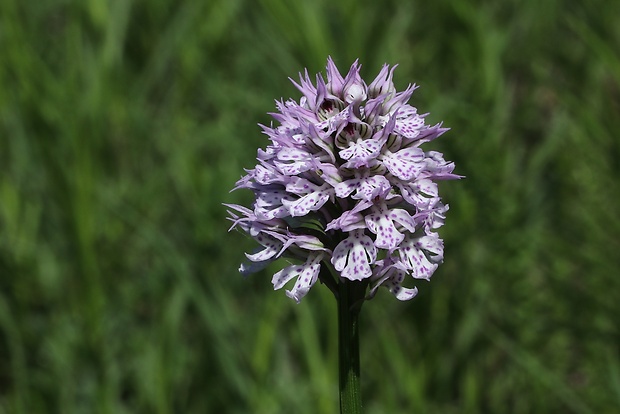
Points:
[(345, 185)]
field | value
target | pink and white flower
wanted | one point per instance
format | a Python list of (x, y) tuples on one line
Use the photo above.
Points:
[(345, 187)]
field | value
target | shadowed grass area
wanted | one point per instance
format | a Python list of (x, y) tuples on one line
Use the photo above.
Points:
[(123, 125)]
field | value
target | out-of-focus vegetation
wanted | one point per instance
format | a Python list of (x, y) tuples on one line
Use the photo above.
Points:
[(123, 124)]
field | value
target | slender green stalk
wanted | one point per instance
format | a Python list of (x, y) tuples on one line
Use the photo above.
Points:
[(350, 299)]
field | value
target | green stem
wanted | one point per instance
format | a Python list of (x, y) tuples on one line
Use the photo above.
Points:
[(350, 299)]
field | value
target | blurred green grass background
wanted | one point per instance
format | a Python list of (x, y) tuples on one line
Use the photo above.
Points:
[(123, 125)]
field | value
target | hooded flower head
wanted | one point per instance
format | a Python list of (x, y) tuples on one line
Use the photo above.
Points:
[(345, 186)]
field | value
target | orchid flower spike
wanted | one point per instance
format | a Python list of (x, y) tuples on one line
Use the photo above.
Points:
[(344, 189)]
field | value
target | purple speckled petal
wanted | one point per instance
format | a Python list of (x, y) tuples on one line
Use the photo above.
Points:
[(438, 168), (306, 204), (403, 218), (421, 265), (296, 161), (372, 187), (351, 219), (354, 255), (271, 249), (306, 274), (408, 122), (366, 188), (392, 278), (364, 149), (298, 185), (269, 203), (380, 223), (345, 188), (400, 292), (405, 164)]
